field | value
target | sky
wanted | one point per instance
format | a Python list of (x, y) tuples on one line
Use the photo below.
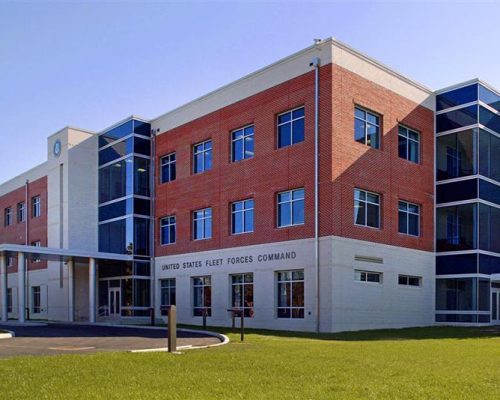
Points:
[(91, 64)]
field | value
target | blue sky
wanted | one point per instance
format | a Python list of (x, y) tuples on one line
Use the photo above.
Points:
[(90, 64)]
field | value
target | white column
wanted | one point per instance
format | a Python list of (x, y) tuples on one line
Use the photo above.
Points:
[(71, 290), (92, 290), (3, 285), (21, 286)]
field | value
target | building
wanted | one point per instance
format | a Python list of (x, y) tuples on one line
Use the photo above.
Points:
[(325, 192)]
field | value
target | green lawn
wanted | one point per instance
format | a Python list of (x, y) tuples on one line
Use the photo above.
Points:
[(425, 363)]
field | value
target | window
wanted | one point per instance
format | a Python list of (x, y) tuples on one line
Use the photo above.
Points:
[(291, 208), (35, 207), (35, 299), (8, 216), (409, 218), (202, 157), (168, 230), (168, 169), (202, 224), (242, 217), (456, 228), (21, 212), (10, 262), (291, 294), (366, 208), (202, 296), (291, 127), (36, 244), (242, 144), (368, 276), (9, 300), (366, 128), (410, 280), (242, 293), (167, 294), (409, 144), (456, 154)]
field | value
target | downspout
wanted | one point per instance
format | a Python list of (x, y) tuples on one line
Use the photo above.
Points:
[(27, 208), (316, 64), (152, 213)]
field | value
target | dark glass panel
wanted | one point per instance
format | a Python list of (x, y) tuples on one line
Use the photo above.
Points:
[(284, 135), (119, 132), (298, 130), (456, 264), (111, 268), (115, 181), (489, 191), (489, 97), (457, 294), (484, 295), (456, 191), (141, 236), (456, 119), (456, 155), (142, 128), (142, 146), (142, 268), (489, 228), (115, 210), (141, 176), (489, 265), (489, 119), (489, 155), (463, 318), (115, 151), (359, 131), (456, 97), (456, 228), (142, 207), (142, 296), (114, 237)]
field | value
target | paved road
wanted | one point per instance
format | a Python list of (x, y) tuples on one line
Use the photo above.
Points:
[(76, 339)]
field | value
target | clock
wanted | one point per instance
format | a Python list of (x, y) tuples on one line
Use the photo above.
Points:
[(57, 148)]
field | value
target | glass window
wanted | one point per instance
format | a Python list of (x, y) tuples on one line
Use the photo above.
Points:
[(21, 212), (409, 144), (291, 208), (408, 280), (489, 97), (489, 223), (456, 119), (202, 296), (36, 209), (291, 129), (8, 216), (366, 128), (124, 207), (366, 208), (142, 128), (168, 230), (489, 155), (290, 294), (242, 293), (37, 243), (456, 97), (368, 276), (457, 294), (35, 299), (242, 216), (456, 227), (202, 157), (116, 151), (119, 132), (242, 144), (409, 218), (115, 180), (489, 119), (202, 224), (456, 154), (167, 294), (168, 168), (141, 176)]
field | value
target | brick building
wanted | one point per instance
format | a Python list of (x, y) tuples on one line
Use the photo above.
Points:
[(302, 194)]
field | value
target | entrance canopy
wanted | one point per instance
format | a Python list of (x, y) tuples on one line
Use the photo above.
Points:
[(54, 254)]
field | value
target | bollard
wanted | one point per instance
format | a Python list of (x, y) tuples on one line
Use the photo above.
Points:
[(172, 329)]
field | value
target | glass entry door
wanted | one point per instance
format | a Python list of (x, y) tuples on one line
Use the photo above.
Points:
[(495, 306), (114, 302)]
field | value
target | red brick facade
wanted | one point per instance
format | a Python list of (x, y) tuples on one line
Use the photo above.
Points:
[(37, 227), (344, 164)]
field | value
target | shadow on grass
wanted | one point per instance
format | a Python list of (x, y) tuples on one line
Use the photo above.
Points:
[(423, 333)]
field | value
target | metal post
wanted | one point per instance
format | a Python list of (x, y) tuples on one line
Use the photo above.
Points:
[(204, 318), (21, 288), (172, 329), (3, 286), (242, 325), (71, 290)]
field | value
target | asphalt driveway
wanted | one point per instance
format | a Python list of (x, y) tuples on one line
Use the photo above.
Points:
[(76, 339)]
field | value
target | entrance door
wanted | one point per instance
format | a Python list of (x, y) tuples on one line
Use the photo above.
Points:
[(495, 306), (114, 301)]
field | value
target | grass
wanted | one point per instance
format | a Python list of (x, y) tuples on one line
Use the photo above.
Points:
[(421, 363)]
